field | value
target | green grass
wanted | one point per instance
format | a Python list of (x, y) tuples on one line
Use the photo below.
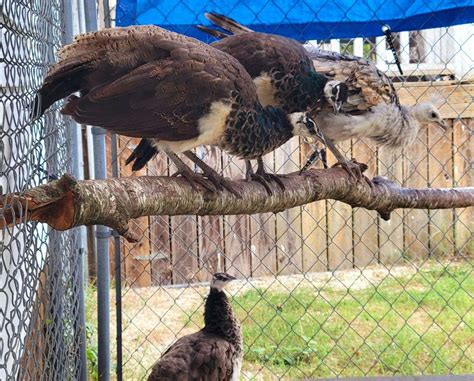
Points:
[(91, 332), (421, 324), (403, 326)]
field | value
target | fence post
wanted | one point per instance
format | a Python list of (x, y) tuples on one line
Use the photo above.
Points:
[(118, 268), (117, 252), (102, 233), (71, 21), (103, 266)]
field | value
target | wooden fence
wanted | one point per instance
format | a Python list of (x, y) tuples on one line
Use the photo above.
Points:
[(321, 236)]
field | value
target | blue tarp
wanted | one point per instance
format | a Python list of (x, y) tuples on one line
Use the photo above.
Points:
[(302, 20)]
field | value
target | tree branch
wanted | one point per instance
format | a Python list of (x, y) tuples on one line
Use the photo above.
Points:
[(67, 203)]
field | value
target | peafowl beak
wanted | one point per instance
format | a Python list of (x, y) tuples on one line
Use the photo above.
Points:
[(441, 123)]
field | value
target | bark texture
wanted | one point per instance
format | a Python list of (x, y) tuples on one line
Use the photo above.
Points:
[(67, 203)]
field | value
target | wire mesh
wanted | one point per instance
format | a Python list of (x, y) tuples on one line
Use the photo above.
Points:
[(325, 290), (40, 330)]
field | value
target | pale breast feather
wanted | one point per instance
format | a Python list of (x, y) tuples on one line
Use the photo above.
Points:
[(265, 90), (236, 369), (212, 125)]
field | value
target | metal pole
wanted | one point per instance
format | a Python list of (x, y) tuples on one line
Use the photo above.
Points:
[(107, 16), (103, 303), (80, 234), (118, 305), (81, 319), (102, 233), (117, 252), (90, 12), (118, 272), (103, 266)]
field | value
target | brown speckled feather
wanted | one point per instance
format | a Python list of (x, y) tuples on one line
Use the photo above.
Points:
[(212, 354), (144, 81), (368, 86), (200, 356), (281, 68), (283, 72), (261, 52)]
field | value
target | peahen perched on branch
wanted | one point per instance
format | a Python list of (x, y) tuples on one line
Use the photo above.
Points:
[(371, 108), (176, 92)]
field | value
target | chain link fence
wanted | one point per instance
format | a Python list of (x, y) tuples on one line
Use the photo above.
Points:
[(325, 290), (41, 331)]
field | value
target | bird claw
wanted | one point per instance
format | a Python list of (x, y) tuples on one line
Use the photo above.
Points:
[(262, 176), (265, 178), (369, 182), (221, 183), (196, 178), (355, 170), (272, 177), (261, 180)]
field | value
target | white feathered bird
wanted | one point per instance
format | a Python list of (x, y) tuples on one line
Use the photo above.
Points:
[(373, 109)]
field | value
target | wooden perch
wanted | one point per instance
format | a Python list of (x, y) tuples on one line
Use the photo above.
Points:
[(67, 203)]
